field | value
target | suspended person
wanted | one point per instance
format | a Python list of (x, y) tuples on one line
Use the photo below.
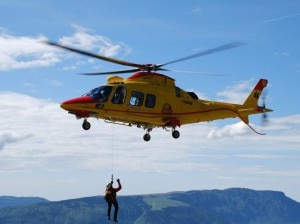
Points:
[(111, 199)]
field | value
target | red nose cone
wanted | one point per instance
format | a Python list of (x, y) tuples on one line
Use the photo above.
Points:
[(78, 106), (83, 99)]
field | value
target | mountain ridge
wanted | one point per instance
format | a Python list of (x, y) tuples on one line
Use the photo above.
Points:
[(229, 206), (8, 201)]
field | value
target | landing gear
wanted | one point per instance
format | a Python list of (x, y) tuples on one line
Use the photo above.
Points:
[(86, 125), (147, 136), (175, 134)]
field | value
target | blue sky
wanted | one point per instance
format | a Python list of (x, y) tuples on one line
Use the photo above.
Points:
[(43, 150)]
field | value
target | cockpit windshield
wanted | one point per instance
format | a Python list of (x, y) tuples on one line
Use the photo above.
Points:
[(101, 93)]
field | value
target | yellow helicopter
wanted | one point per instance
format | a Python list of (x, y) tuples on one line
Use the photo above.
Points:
[(148, 99)]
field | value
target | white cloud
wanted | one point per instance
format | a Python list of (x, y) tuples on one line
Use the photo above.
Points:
[(236, 93), (290, 119), (232, 130), (21, 52), (284, 123), (83, 39)]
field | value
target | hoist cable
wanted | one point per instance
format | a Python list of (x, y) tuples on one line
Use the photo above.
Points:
[(112, 151)]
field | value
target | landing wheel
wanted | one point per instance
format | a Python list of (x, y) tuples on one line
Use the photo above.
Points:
[(86, 125), (147, 137), (175, 134)]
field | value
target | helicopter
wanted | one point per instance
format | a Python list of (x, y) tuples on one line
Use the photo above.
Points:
[(148, 99)]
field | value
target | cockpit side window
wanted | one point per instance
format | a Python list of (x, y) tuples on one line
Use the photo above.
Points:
[(119, 96), (150, 101), (101, 93), (136, 98)]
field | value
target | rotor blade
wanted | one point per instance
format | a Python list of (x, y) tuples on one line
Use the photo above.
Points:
[(207, 52), (199, 73), (113, 72), (113, 60), (121, 71), (161, 69)]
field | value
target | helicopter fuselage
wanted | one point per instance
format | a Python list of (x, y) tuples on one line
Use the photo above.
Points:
[(149, 100)]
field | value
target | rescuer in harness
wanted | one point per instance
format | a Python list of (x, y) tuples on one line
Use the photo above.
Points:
[(111, 199)]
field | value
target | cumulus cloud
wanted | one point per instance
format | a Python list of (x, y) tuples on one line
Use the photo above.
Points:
[(21, 52), (85, 39), (236, 93), (285, 122), (231, 130)]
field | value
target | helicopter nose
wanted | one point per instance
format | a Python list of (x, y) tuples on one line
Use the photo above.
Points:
[(76, 102)]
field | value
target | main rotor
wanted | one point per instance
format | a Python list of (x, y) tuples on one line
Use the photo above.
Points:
[(143, 67)]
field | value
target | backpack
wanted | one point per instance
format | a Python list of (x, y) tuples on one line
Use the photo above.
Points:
[(107, 195)]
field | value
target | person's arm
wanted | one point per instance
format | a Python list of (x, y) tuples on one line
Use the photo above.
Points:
[(119, 185)]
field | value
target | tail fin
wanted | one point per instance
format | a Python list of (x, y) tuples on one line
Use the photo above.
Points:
[(252, 99)]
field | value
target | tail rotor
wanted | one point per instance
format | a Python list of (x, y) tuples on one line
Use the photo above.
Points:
[(265, 116)]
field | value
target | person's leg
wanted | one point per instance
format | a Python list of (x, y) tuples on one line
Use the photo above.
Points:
[(116, 205), (108, 210)]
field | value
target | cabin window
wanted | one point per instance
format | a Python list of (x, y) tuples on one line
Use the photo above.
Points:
[(177, 91), (150, 100), (119, 96), (136, 98), (101, 93)]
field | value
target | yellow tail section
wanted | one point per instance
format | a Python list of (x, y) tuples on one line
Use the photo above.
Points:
[(252, 99)]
